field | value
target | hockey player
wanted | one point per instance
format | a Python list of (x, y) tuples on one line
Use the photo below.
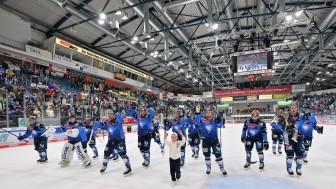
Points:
[(36, 130), (254, 132), (178, 123), (144, 131), (116, 140), (277, 133), (76, 139), (293, 136), (208, 126), (90, 134), (309, 124), (156, 133), (193, 135)]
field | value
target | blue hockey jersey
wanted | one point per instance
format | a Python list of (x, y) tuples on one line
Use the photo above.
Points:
[(192, 128), (35, 131), (208, 128), (144, 123), (308, 125), (114, 129), (81, 137), (88, 129), (255, 129), (177, 125)]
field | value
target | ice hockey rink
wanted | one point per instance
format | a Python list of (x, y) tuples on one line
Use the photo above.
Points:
[(20, 170)]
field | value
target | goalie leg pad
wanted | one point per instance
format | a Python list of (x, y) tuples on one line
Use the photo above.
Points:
[(67, 152), (80, 152)]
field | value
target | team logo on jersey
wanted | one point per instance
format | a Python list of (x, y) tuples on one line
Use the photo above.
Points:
[(110, 130), (305, 127), (141, 124), (208, 128)]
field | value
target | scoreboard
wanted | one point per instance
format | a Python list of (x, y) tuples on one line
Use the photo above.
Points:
[(261, 75)]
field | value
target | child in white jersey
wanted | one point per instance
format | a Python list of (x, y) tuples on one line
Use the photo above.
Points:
[(175, 155)]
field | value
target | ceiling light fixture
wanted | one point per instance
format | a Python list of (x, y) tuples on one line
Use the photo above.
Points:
[(289, 17), (118, 12), (102, 16), (101, 22)]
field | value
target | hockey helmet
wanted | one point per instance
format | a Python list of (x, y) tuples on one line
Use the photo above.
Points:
[(255, 114)]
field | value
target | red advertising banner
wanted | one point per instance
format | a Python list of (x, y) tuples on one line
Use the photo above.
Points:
[(255, 91)]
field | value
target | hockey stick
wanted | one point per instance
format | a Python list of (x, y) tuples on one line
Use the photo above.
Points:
[(14, 135), (214, 94)]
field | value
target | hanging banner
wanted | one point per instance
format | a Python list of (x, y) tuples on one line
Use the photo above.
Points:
[(207, 94), (38, 52), (265, 97), (255, 91), (227, 99), (277, 96), (99, 57), (60, 69), (238, 98), (285, 103), (252, 98), (298, 88), (223, 106)]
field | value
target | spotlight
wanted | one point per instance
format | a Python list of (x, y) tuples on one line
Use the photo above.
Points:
[(289, 17), (298, 13), (125, 16), (136, 38), (118, 12), (102, 16), (101, 22), (215, 26)]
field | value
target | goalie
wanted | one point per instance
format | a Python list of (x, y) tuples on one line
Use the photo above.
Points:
[(76, 139)]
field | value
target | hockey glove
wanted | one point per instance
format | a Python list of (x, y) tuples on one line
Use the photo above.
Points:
[(20, 138), (320, 130), (266, 145), (189, 114), (243, 138), (166, 122)]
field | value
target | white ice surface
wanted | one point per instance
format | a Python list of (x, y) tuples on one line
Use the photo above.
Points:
[(18, 168)]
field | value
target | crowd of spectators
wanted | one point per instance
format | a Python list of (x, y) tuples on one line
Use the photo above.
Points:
[(319, 104)]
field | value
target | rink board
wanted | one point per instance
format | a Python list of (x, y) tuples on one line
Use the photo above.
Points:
[(8, 140)]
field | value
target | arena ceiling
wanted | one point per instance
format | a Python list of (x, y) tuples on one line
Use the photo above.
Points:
[(185, 46)]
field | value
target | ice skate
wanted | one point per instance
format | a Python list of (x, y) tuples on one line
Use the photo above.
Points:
[(127, 172), (103, 169), (261, 166), (247, 164), (223, 171), (95, 157), (290, 171), (298, 172), (64, 163), (208, 170)]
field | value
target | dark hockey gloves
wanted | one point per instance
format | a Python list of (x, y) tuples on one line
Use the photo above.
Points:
[(243, 138), (320, 130), (266, 145)]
